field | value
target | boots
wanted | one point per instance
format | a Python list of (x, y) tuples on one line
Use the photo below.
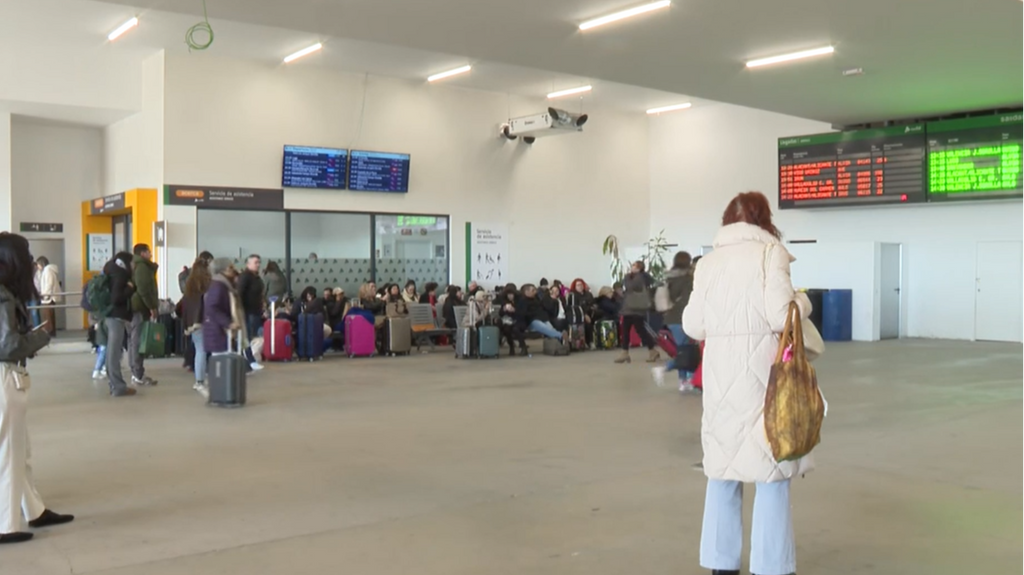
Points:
[(623, 357), (653, 356)]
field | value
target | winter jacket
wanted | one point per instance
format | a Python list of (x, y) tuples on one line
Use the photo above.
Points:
[(274, 285), (336, 311), (555, 306), (410, 298), (741, 294), (639, 291), (448, 312), (49, 285), (250, 290), (146, 298), (530, 310), (606, 308), (120, 291), (314, 306), (192, 313), (579, 306), (18, 341), (218, 315), (680, 285)]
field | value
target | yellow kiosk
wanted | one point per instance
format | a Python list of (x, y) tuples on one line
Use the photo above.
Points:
[(115, 223)]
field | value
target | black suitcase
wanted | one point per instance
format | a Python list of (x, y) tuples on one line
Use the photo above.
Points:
[(225, 376), (173, 339)]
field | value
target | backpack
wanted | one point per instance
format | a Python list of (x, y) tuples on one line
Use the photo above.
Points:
[(96, 297)]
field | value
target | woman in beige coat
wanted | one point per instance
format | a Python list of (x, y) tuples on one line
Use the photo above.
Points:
[(741, 294)]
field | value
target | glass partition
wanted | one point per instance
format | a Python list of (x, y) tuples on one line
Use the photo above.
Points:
[(330, 250), (237, 234), (411, 247)]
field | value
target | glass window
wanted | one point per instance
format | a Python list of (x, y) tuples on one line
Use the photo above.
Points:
[(237, 234), (412, 248), (330, 250)]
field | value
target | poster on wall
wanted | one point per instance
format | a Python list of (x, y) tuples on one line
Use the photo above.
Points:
[(101, 249), (487, 254)]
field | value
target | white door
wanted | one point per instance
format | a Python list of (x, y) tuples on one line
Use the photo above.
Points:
[(999, 297), (890, 286)]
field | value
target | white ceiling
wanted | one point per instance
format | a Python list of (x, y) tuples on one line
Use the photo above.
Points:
[(919, 58)]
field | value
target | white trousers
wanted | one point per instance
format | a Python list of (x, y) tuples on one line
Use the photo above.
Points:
[(772, 547), (17, 493)]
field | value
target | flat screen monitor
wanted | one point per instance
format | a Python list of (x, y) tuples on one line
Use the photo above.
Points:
[(378, 172), (975, 158), (313, 167), (855, 168)]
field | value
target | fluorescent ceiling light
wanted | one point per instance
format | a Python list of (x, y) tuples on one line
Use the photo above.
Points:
[(624, 14), (671, 108), (788, 57), (122, 29), (570, 91), (303, 52), (449, 73)]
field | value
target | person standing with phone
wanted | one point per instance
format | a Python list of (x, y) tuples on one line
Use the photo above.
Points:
[(145, 306), (18, 343)]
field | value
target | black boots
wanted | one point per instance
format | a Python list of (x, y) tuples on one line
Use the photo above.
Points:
[(16, 537)]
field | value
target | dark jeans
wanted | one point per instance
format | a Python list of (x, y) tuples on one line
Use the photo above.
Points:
[(638, 322), (253, 325), (514, 333)]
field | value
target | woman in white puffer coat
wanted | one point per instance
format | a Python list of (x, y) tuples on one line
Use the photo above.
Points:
[(741, 294)]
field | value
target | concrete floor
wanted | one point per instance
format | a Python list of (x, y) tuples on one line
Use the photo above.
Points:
[(565, 466)]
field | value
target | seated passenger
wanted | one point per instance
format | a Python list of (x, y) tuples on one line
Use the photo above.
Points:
[(479, 309), (429, 293), (605, 306), (512, 327), (555, 306), (580, 306), (308, 303), (452, 299), (395, 302), (409, 293), (531, 312), (369, 301), (337, 308)]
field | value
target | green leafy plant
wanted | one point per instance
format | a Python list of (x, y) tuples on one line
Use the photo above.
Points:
[(654, 257), (616, 266)]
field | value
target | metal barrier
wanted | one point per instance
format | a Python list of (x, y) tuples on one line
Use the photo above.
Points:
[(61, 305)]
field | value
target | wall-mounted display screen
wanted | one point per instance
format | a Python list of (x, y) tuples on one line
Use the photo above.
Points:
[(312, 167), (378, 172), (863, 167), (975, 158)]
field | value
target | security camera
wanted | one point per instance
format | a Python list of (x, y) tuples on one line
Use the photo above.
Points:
[(529, 139), (505, 131), (563, 118)]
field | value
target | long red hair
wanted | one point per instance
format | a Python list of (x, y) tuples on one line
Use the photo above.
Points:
[(575, 282), (751, 208)]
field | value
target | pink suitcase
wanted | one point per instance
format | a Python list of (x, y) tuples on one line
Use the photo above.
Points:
[(360, 337), (277, 340)]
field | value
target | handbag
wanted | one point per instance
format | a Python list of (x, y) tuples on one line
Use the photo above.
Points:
[(814, 345), (17, 377), (794, 407)]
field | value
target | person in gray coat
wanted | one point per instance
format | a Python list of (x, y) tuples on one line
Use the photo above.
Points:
[(274, 285), (638, 290)]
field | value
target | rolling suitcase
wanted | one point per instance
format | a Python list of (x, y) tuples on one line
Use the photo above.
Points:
[(398, 336), (606, 335), (311, 336), (360, 337), (465, 342), (488, 338), (226, 376), (278, 334), (577, 337)]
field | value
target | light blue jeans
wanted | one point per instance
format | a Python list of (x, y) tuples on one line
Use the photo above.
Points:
[(545, 328), (200, 368), (772, 548), (681, 339), (101, 358)]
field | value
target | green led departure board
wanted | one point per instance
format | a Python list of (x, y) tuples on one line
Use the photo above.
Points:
[(975, 158)]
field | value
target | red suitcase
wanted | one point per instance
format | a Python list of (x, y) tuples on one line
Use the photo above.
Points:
[(278, 344), (698, 375), (360, 337)]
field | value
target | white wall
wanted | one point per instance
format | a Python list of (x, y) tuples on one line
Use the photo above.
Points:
[(561, 197), (54, 168), (843, 265), (5, 171), (703, 156), (134, 147)]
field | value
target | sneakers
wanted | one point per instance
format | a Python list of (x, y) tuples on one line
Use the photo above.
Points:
[(658, 375), (201, 388), (97, 374), (256, 366), (145, 381), (687, 387)]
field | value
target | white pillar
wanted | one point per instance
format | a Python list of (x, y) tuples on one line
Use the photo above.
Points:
[(5, 172)]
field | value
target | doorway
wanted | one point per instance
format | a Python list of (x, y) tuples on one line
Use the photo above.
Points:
[(52, 250), (122, 233), (999, 284), (413, 249), (890, 285)]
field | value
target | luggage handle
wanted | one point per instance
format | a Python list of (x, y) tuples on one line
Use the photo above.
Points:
[(273, 326), (238, 340)]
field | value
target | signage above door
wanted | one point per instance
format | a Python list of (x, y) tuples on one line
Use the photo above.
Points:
[(46, 228), (224, 198)]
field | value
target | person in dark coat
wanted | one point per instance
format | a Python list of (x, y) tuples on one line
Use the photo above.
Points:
[(192, 319), (580, 306), (118, 320), (638, 290), (512, 327), (448, 310), (221, 313), (532, 313)]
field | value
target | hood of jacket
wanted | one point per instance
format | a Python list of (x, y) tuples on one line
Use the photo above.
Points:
[(139, 260)]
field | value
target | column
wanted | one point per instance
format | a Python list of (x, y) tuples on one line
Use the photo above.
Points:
[(5, 172)]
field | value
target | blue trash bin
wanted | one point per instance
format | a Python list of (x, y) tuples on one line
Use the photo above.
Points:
[(837, 315)]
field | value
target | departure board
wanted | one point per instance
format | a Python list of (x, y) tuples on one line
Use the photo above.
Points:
[(378, 172), (975, 158), (856, 168), (310, 167)]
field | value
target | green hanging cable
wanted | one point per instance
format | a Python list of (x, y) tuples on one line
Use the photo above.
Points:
[(201, 28)]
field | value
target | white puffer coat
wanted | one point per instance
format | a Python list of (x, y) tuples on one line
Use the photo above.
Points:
[(741, 292)]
